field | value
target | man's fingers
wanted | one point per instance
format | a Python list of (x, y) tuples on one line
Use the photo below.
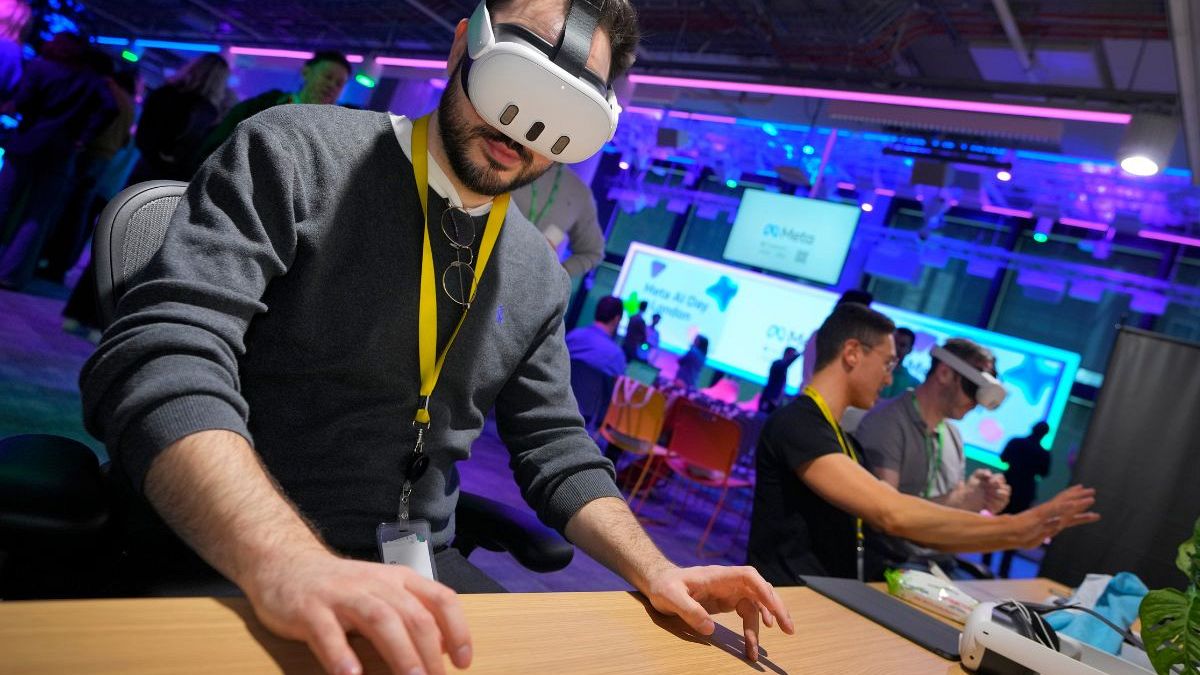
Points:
[(446, 609), (690, 611), (327, 640), (380, 623), (423, 631), (748, 610), (766, 596)]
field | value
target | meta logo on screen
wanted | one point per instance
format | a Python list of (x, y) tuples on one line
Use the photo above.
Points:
[(773, 231)]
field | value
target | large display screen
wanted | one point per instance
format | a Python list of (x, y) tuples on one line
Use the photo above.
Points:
[(750, 318), (799, 237)]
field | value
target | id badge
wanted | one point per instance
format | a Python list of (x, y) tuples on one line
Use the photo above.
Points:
[(407, 543)]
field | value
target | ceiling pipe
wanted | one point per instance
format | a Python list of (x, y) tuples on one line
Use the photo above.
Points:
[(1014, 38), (1185, 34)]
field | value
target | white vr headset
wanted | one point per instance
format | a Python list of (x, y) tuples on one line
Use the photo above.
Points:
[(541, 95), (989, 393)]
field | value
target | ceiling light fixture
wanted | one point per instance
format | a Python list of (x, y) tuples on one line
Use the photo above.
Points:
[(1147, 144)]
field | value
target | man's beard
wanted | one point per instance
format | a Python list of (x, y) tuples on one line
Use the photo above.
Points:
[(458, 134)]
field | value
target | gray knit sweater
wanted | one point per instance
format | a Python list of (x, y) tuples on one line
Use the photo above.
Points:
[(283, 306)]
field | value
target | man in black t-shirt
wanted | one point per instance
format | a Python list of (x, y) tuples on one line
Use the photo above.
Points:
[(813, 496)]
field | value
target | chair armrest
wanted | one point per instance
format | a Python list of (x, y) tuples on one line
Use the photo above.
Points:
[(498, 527)]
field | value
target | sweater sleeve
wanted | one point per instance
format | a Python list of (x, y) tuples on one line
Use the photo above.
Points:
[(586, 240), (556, 464), (167, 367)]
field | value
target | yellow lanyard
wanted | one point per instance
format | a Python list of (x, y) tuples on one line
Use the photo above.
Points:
[(431, 363), (849, 452)]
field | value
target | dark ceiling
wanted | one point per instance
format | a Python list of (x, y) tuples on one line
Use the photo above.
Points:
[(957, 46)]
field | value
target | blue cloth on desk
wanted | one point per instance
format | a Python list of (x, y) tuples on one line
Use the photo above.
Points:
[(1118, 603)]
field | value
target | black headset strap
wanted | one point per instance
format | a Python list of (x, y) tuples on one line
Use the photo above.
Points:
[(575, 42), (519, 33)]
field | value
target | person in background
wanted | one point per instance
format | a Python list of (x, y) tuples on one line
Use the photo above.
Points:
[(14, 17), (772, 393), (562, 206), (325, 76), (177, 116), (912, 444), (635, 334), (64, 105), (810, 348), (595, 345), (652, 334), (902, 380), (812, 494), (1027, 460), (691, 363), (83, 204)]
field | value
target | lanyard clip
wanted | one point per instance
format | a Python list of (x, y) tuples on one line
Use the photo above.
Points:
[(421, 418)]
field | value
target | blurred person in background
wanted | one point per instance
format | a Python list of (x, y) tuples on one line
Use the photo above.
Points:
[(563, 208), (691, 363), (325, 76), (14, 17), (83, 204), (64, 105), (177, 116), (902, 380)]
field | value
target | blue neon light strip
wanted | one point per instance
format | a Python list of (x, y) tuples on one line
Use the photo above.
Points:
[(115, 41), (179, 46)]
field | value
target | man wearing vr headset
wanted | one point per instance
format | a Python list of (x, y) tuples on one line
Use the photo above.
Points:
[(320, 293), (813, 498), (912, 445)]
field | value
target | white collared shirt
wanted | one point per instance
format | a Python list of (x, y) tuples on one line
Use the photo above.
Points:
[(437, 178)]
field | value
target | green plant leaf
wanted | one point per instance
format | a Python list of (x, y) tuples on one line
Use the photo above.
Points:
[(1171, 630), (1186, 560)]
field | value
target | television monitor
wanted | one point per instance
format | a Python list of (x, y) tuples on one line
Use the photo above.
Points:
[(796, 236)]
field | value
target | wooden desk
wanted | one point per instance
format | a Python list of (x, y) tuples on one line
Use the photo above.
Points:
[(517, 633)]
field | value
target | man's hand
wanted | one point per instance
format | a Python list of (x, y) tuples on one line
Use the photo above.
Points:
[(1067, 509), (693, 593), (996, 491), (319, 597)]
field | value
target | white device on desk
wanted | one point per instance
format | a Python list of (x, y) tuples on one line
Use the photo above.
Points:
[(992, 643)]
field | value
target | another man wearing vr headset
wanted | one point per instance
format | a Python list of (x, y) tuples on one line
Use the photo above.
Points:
[(813, 497), (353, 292), (911, 443)]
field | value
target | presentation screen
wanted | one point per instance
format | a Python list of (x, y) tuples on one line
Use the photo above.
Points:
[(799, 237), (749, 319)]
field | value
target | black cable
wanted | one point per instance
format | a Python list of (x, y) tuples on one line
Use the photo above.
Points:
[(1123, 632)]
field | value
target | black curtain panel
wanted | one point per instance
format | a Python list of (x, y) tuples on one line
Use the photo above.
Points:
[(1142, 454)]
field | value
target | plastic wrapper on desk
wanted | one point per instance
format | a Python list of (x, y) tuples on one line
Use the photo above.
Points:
[(931, 593)]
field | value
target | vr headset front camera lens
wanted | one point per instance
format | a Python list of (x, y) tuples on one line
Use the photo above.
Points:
[(535, 131), (509, 114), (560, 145)]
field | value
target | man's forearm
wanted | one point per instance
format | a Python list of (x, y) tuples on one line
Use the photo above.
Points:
[(960, 497), (607, 531), (212, 490)]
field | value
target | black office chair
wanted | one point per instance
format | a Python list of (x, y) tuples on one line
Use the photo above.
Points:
[(593, 390), (57, 504)]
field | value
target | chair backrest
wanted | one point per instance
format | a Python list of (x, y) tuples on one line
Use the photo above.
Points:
[(703, 438), (635, 414), (129, 232), (592, 389)]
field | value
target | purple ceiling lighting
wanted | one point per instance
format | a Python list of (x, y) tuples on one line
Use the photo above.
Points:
[(1168, 237), (427, 64), (284, 53), (887, 99), (1085, 224)]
